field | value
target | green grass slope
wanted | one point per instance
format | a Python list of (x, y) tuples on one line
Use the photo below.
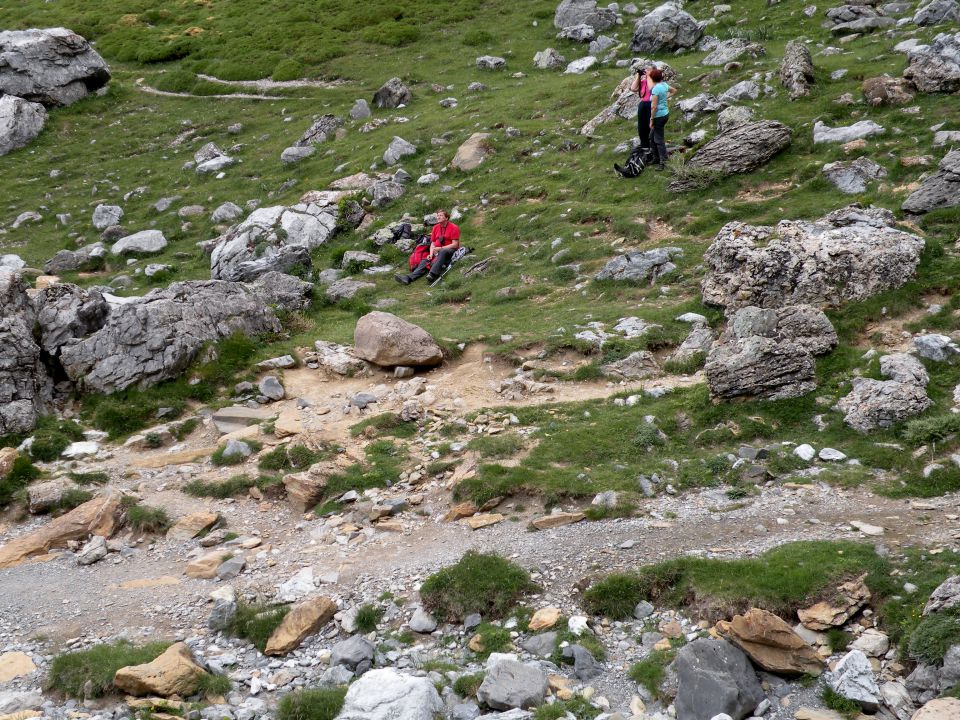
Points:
[(546, 189)]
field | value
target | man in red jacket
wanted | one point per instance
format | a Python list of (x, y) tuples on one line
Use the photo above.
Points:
[(444, 242)]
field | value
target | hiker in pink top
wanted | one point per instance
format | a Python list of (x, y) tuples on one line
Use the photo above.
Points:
[(642, 85)]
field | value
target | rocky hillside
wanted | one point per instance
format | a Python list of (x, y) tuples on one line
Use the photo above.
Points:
[(682, 446)]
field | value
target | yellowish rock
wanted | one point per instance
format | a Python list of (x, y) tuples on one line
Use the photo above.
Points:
[(22, 715), (662, 644), (44, 281), (142, 583), (544, 618), (849, 598), (806, 713), (189, 526), (173, 673), (461, 511), (940, 709), (95, 517), (205, 566), (485, 520), (771, 643), (476, 643), (7, 456), (557, 520), (288, 423), (671, 628), (14, 665), (303, 620), (394, 526), (175, 458)]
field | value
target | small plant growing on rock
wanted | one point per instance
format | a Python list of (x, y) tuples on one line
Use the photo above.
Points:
[(21, 474), (650, 671), (836, 701), (311, 704), (479, 583), (257, 621), (466, 686), (145, 518), (213, 684)]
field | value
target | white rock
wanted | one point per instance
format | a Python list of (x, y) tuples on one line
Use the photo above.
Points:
[(83, 448), (831, 455), (867, 528), (805, 452), (578, 625), (387, 695), (872, 643)]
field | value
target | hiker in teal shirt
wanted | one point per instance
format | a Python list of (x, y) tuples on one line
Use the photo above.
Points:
[(659, 114)]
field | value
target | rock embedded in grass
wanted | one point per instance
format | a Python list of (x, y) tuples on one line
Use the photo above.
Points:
[(939, 190), (21, 121), (665, 28)]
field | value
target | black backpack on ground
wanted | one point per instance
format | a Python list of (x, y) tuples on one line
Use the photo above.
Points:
[(636, 162)]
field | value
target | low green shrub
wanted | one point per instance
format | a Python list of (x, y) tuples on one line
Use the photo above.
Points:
[(97, 477), (232, 487), (838, 640), (496, 446), (649, 672), (493, 638), (368, 617), (256, 622), (387, 423), (51, 437), (214, 684), (314, 704), (838, 703), (146, 518), (479, 583), (21, 474), (74, 497), (71, 672), (933, 636), (466, 686), (615, 596), (289, 457), (220, 460)]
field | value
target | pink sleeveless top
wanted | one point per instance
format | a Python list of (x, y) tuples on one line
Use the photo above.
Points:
[(645, 89)]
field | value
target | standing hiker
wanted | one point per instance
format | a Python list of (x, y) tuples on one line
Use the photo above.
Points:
[(659, 114), (642, 86)]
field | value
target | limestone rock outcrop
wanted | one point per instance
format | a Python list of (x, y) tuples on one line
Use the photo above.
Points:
[(54, 66), (848, 255)]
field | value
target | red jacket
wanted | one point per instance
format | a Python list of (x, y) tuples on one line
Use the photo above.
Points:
[(420, 253)]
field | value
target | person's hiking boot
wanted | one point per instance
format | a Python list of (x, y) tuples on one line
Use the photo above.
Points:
[(402, 279), (432, 279)]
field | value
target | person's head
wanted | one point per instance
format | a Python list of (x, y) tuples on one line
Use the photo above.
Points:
[(442, 216), (655, 74)]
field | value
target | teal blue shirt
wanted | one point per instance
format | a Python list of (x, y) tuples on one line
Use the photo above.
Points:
[(661, 90)]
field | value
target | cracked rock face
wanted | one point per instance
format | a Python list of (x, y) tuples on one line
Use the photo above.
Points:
[(26, 390), (20, 122), (156, 337), (275, 238), (796, 69), (769, 354), (939, 190), (851, 254), (665, 28), (935, 68), (876, 404), (54, 67)]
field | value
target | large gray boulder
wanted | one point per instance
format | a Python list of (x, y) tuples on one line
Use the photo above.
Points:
[(156, 337), (939, 190), (849, 13), (584, 12), (352, 652), (320, 131), (640, 266), (741, 149), (140, 243), (283, 291), (66, 312), (729, 50), (848, 255), (54, 66), (20, 122), (769, 354), (397, 150), (938, 11), (385, 340), (512, 684), (87, 257), (715, 677), (852, 177), (26, 390), (946, 596), (844, 134), (387, 695), (392, 94), (796, 69), (852, 678), (665, 28), (873, 404), (275, 239), (935, 68)]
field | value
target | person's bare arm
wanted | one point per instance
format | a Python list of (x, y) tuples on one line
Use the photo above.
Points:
[(635, 85), (672, 91), (654, 99)]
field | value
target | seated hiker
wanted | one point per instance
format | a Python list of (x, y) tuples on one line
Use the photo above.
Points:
[(444, 242)]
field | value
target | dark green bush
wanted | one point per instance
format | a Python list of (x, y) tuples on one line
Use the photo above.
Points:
[(479, 583), (21, 474), (70, 672), (931, 639), (51, 437), (317, 704), (257, 621)]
